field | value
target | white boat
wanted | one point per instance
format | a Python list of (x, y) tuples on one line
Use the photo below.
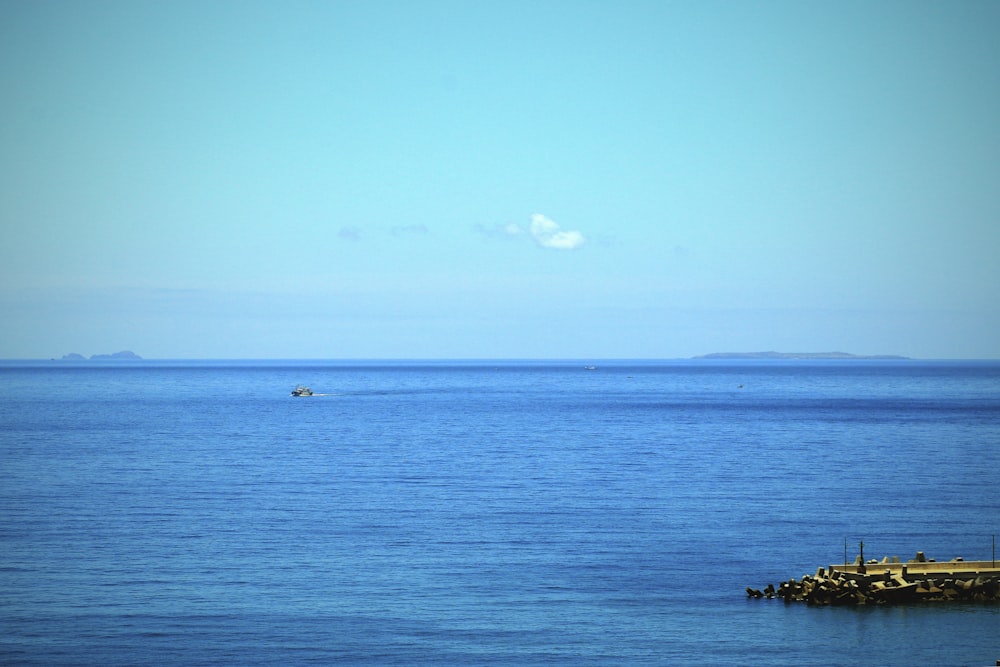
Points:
[(302, 391)]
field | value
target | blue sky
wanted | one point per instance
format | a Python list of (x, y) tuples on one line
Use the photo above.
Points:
[(437, 179)]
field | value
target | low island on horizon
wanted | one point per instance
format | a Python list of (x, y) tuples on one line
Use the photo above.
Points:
[(797, 355), (124, 355)]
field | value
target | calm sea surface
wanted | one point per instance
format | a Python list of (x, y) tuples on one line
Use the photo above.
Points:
[(485, 513)]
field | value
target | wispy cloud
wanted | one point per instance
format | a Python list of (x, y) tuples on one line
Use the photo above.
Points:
[(500, 230), (349, 233), (353, 233), (542, 230), (410, 229)]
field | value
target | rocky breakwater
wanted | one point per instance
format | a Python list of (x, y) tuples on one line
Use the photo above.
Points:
[(891, 582)]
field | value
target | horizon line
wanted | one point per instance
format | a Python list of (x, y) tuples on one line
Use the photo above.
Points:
[(702, 358)]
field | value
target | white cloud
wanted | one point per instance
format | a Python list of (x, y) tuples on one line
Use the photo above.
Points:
[(542, 230), (548, 234)]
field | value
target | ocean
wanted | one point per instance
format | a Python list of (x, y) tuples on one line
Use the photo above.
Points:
[(486, 512)]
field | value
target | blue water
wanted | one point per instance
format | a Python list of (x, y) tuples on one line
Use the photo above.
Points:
[(485, 513)]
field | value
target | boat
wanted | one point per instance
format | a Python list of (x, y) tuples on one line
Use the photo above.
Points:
[(302, 391)]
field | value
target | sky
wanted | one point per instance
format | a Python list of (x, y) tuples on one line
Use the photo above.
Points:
[(436, 179)]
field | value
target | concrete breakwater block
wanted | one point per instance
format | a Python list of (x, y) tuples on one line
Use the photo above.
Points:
[(919, 580)]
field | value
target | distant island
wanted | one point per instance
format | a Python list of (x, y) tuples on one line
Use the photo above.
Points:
[(124, 355), (795, 355)]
